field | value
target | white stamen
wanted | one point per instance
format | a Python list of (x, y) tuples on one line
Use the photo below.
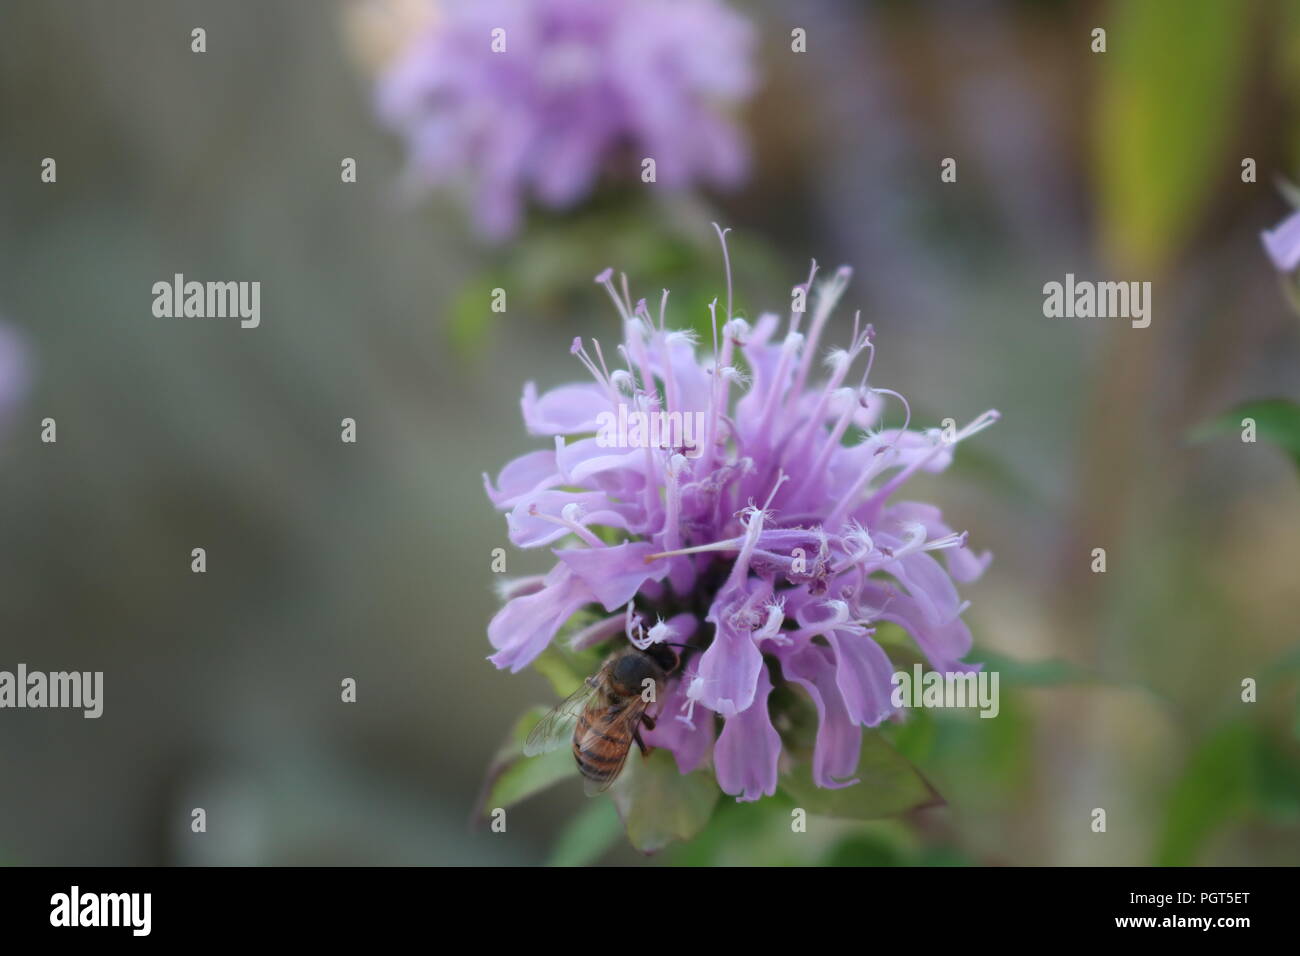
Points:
[(771, 629), (687, 714), (797, 317), (606, 279), (827, 297), (623, 381), (660, 633), (734, 544), (888, 488), (726, 262)]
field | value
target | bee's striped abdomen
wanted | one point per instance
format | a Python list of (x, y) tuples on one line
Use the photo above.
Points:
[(600, 742)]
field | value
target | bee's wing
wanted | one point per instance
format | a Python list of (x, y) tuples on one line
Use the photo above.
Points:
[(556, 728), (628, 722)]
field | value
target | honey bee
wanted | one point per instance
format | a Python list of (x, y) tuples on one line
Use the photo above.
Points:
[(603, 717)]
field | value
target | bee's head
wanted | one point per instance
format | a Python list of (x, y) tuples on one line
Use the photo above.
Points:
[(630, 672), (665, 656)]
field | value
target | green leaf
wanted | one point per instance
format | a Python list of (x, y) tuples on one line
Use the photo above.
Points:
[(1240, 771), (588, 836), (1214, 788), (887, 785), (864, 849), (658, 804), (1277, 778), (743, 834), (566, 669), (512, 777), (1284, 667), (899, 646), (1042, 673), (915, 738), (1167, 98), (526, 776), (1276, 420), (564, 678)]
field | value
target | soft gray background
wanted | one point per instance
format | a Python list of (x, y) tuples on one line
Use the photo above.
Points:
[(329, 560)]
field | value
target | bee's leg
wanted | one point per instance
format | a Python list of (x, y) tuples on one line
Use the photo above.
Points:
[(636, 735), (648, 721)]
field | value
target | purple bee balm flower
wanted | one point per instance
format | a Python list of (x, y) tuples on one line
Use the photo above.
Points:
[(1283, 244), (766, 546), (534, 99)]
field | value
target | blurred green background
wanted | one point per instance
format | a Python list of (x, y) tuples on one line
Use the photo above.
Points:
[(328, 560)]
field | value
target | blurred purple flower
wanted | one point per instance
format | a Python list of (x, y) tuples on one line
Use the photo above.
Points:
[(766, 539), (580, 84), (14, 372), (1283, 244)]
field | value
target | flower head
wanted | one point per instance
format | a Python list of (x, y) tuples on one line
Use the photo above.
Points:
[(770, 545), (533, 99)]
